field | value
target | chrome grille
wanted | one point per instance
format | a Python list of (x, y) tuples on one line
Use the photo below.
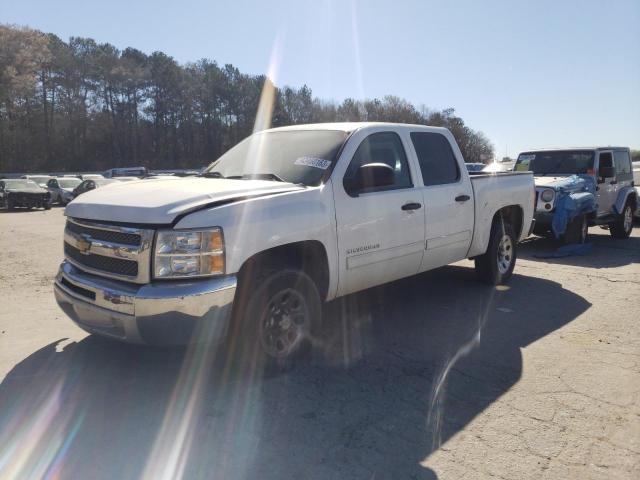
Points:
[(118, 266), (122, 253), (106, 235)]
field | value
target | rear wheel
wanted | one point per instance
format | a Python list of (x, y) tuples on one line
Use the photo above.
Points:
[(577, 230), (497, 264), (281, 314), (623, 225)]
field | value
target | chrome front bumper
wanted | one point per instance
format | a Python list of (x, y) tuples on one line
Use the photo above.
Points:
[(159, 313)]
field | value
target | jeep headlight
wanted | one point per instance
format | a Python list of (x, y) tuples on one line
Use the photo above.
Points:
[(188, 253), (547, 195)]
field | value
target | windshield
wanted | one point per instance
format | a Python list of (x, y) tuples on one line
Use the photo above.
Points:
[(295, 156), (68, 182), (20, 184), (556, 162)]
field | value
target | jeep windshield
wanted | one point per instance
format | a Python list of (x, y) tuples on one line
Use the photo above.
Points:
[(556, 162), (294, 156)]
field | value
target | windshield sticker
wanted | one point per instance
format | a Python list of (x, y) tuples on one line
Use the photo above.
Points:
[(320, 163)]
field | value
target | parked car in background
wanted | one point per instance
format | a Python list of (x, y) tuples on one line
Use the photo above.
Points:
[(92, 184), (636, 181), (254, 246), (23, 193), (90, 176), (497, 167), (577, 188), (41, 180), (126, 172), (126, 179), (61, 189), (474, 167)]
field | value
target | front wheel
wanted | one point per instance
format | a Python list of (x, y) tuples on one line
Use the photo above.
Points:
[(282, 313), (623, 226), (577, 230), (496, 265)]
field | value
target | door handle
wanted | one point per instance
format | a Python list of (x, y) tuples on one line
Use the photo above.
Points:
[(463, 198), (411, 206)]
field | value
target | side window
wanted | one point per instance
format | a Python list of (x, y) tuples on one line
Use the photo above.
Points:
[(623, 162), (605, 160), (51, 183), (437, 161), (383, 147)]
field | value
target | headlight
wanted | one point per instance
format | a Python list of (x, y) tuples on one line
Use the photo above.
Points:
[(547, 195), (188, 253)]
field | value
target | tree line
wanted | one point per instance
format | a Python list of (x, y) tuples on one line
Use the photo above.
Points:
[(82, 105)]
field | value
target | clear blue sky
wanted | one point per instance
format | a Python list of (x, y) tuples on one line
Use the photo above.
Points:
[(528, 74)]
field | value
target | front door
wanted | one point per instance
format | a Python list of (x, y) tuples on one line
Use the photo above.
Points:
[(381, 230)]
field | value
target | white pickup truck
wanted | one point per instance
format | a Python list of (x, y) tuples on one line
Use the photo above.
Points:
[(287, 219)]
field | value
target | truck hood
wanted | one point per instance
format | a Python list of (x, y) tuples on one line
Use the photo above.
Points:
[(160, 201), (568, 183)]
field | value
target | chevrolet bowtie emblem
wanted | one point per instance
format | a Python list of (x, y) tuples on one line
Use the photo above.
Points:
[(83, 244)]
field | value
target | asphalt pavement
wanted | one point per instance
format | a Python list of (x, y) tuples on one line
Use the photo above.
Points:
[(434, 376)]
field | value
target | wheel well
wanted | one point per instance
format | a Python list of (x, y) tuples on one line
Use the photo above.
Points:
[(309, 256), (634, 201), (512, 214)]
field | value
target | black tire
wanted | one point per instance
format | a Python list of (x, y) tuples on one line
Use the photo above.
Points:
[(10, 204), (496, 265), (278, 315), (623, 226), (577, 230), (47, 206)]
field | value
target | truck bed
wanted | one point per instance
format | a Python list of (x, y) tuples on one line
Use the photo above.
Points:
[(493, 191)]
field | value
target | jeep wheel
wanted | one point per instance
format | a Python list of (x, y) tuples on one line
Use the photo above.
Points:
[(281, 314), (623, 226), (497, 264), (577, 230)]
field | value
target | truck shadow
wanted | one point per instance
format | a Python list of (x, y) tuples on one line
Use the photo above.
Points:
[(366, 406), (606, 252)]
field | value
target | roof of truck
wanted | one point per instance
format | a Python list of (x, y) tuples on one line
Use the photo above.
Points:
[(349, 126)]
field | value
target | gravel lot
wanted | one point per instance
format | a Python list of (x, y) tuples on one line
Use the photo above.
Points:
[(431, 377)]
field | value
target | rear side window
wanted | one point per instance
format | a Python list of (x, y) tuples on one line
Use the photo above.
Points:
[(437, 161), (623, 162)]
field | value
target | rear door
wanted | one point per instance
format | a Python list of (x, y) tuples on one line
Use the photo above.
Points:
[(380, 232), (624, 174), (448, 200)]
